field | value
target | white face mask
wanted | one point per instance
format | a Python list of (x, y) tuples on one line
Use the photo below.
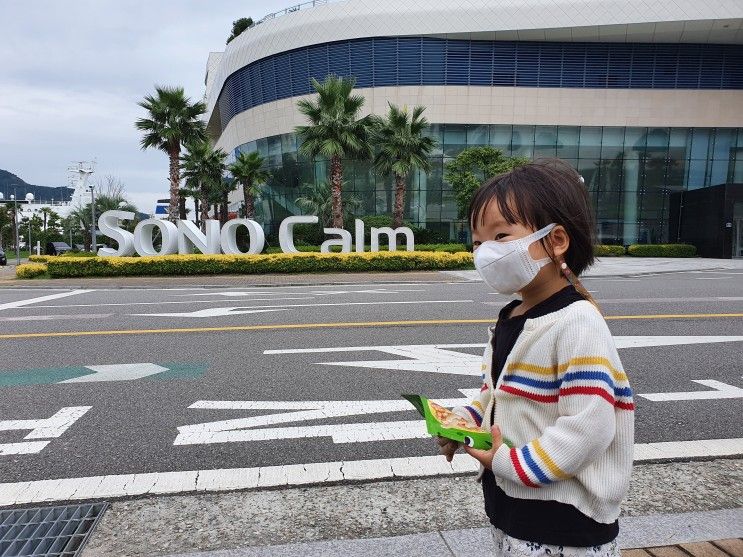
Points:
[(507, 267)]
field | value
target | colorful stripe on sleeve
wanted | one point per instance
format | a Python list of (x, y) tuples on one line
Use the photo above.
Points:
[(534, 467)]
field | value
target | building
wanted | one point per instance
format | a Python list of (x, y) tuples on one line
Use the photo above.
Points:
[(643, 97)]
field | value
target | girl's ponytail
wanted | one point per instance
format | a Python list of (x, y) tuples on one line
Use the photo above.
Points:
[(577, 284)]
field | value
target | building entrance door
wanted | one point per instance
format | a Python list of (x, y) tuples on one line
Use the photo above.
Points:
[(738, 239)]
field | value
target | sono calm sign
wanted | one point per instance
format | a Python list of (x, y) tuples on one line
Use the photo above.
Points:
[(184, 236)]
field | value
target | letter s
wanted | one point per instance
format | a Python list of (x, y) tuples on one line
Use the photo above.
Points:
[(108, 223)]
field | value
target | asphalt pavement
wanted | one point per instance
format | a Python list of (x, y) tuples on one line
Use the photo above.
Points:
[(111, 393)]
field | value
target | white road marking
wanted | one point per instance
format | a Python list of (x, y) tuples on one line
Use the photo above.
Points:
[(445, 358), (648, 341), (171, 302), (216, 312), (719, 391), (210, 312), (249, 429), (29, 301), (118, 372), (45, 428), (56, 317), (313, 292), (228, 479)]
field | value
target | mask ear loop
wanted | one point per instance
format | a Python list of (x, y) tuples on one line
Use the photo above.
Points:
[(577, 284)]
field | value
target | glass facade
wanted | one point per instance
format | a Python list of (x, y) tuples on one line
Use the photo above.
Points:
[(397, 61), (630, 173)]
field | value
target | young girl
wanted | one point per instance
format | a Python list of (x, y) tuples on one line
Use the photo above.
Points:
[(555, 396)]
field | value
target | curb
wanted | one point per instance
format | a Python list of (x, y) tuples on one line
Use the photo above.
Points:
[(634, 532)]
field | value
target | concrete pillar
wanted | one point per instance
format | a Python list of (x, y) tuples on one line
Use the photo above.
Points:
[(630, 194)]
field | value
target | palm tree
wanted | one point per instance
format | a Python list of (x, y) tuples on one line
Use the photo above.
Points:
[(317, 200), (402, 149), (203, 169), (335, 131), (173, 121), (248, 171)]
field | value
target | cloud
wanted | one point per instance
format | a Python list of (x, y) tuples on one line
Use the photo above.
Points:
[(73, 72)]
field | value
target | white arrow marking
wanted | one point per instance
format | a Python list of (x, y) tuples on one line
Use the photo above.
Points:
[(721, 391), (444, 358), (45, 428), (118, 372), (430, 359), (211, 312), (218, 312)]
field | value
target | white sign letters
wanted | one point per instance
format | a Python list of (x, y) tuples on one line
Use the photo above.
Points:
[(185, 236)]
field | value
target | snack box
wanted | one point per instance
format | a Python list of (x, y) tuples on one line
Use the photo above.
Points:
[(442, 422)]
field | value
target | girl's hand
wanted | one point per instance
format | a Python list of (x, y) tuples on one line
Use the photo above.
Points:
[(447, 447), (486, 457)]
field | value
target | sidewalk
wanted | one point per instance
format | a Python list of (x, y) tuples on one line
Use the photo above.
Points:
[(605, 267), (668, 503), (690, 535)]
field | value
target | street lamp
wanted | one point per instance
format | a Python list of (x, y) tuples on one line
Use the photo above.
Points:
[(15, 226), (29, 200), (94, 247)]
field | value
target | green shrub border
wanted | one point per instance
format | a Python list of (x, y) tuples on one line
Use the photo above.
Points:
[(174, 265), (608, 251), (662, 250)]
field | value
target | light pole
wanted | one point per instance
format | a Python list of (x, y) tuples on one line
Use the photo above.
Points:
[(29, 200), (15, 226), (94, 247)]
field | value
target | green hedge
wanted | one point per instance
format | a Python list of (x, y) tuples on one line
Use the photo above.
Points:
[(38, 258), (662, 250), (171, 265), (450, 248), (608, 251)]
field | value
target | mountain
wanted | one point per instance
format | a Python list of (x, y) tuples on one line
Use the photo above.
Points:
[(12, 184)]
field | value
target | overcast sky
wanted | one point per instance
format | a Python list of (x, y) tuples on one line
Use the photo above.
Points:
[(72, 72)]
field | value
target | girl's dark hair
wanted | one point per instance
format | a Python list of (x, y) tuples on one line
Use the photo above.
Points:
[(537, 194)]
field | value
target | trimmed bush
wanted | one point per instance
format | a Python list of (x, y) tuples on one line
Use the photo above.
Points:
[(662, 250), (78, 254), (608, 251), (450, 248), (30, 270), (38, 258), (174, 265)]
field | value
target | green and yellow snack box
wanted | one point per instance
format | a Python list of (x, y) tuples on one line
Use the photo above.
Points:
[(442, 422)]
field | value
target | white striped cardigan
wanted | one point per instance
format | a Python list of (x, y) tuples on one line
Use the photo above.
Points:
[(565, 408)]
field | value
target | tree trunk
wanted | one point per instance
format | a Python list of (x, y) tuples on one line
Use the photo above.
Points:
[(336, 184), (249, 201), (224, 212), (204, 209), (196, 210), (397, 213), (175, 181), (182, 207)]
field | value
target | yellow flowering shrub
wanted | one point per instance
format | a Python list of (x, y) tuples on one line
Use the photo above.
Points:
[(30, 270), (197, 264)]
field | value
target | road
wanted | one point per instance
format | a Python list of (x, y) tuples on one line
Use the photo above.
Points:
[(164, 386)]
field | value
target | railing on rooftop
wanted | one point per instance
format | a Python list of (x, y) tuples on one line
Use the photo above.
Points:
[(290, 10)]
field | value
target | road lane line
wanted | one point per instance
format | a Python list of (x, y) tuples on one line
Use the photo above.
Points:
[(228, 479), (173, 302), (288, 326), (57, 317), (20, 303)]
